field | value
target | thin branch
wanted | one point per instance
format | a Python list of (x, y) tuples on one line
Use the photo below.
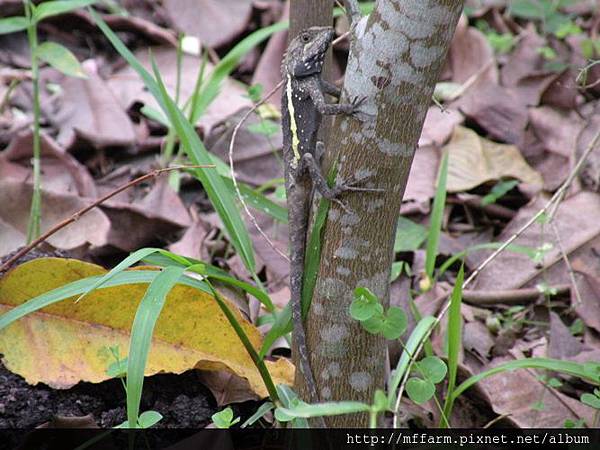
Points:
[(82, 211), (567, 263), (232, 172), (509, 296), (552, 203)]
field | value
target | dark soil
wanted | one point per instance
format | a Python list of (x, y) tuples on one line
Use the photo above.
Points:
[(181, 399)]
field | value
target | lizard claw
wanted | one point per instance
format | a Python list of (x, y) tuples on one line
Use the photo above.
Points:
[(356, 103), (353, 185)]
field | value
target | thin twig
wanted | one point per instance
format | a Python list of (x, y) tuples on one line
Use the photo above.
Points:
[(339, 39), (556, 198), (232, 172), (98, 202), (509, 296), (553, 202), (567, 263)]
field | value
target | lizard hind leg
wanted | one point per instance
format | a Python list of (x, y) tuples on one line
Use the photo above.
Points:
[(312, 164), (319, 152)]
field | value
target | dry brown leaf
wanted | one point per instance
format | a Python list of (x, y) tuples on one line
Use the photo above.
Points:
[(562, 92), (267, 72), (439, 125), (129, 89), (558, 130), (420, 187), (523, 72), (589, 286), (214, 22), (562, 344), (256, 156), (15, 198), (579, 233), (191, 243), (164, 202), (89, 111), (61, 172), (474, 160), (469, 52), (515, 393), (134, 226), (498, 110)]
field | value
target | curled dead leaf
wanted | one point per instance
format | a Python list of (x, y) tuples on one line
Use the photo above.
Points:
[(474, 160)]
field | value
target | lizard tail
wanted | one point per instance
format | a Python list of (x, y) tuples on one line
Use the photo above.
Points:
[(297, 233)]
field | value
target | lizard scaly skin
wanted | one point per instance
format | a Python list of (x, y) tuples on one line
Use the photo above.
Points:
[(303, 103)]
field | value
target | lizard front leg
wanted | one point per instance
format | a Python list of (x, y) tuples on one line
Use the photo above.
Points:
[(318, 99), (319, 181), (331, 89)]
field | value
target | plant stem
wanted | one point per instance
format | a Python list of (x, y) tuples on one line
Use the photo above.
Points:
[(373, 419), (258, 361), (33, 227)]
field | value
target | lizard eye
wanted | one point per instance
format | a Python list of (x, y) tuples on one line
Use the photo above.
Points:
[(305, 38)]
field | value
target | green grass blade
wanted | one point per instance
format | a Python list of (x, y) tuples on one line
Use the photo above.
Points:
[(217, 274), (141, 336), (164, 258), (313, 247), (80, 286), (281, 327), (260, 412), (132, 259), (213, 184), (313, 258), (306, 411), (556, 365), (437, 215), (454, 344), (229, 62), (258, 362), (13, 24), (419, 333), (56, 7), (253, 198), (258, 201), (217, 192)]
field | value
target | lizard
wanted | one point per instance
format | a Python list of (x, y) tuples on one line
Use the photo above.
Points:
[(303, 104)]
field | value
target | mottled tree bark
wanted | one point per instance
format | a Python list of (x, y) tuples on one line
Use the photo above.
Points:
[(395, 61)]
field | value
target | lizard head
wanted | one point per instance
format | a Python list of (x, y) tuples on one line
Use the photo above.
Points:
[(306, 52)]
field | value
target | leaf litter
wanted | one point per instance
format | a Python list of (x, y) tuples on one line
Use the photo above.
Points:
[(515, 113)]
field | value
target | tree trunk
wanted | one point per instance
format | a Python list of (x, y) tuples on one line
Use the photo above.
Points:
[(395, 62)]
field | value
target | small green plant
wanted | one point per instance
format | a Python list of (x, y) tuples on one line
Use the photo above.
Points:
[(577, 328), (547, 12), (224, 418), (428, 372), (146, 420), (368, 310), (501, 42), (499, 190), (58, 57)]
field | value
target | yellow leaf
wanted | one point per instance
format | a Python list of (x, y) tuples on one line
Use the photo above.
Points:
[(474, 160), (68, 342)]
